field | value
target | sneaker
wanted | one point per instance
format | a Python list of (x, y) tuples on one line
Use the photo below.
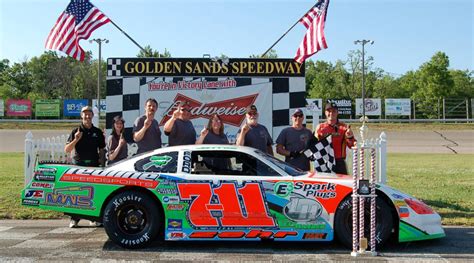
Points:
[(96, 224), (73, 223)]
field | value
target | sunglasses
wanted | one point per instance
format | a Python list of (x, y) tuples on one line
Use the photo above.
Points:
[(298, 116), (185, 110), (252, 114)]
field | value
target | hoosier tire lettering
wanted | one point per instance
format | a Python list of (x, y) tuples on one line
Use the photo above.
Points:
[(132, 219)]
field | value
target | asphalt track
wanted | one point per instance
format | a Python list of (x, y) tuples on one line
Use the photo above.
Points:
[(452, 141), (52, 240)]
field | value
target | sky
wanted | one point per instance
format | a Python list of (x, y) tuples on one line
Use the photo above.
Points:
[(406, 33)]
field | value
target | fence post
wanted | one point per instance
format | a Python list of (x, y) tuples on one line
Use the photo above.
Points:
[(29, 157), (382, 159), (444, 109), (467, 109)]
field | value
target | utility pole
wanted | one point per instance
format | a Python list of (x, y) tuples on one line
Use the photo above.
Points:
[(364, 118), (99, 41)]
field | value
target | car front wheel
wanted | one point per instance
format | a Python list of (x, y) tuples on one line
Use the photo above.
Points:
[(132, 219)]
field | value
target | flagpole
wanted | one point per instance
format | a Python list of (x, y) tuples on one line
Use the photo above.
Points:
[(297, 21), (127, 35)]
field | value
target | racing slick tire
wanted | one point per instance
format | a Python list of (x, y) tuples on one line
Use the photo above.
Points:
[(132, 219), (383, 219)]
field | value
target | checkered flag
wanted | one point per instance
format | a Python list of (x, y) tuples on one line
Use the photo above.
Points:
[(322, 153)]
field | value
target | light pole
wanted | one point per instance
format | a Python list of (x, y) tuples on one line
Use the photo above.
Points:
[(363, 129), (99, 41)]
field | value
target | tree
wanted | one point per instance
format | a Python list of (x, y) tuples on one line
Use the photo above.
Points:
[(151, 53), (270, 54), (434, 82)]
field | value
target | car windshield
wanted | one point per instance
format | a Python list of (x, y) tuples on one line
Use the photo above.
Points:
[(289, 169)]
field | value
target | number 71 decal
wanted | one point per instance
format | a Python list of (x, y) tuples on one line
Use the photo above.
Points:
[(225, 205)]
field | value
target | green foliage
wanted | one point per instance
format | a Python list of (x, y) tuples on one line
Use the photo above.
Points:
[(149, 52)]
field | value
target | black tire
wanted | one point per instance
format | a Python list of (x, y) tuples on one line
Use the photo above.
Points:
[(343, 222), (132, 219)]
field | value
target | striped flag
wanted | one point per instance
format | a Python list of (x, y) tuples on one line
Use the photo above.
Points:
[(314, 39), (77, 22)]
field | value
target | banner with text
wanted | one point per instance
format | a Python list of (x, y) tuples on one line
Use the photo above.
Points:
[(344, 106), (18, 108), (47, 108), (2, 108), (398, 107), (72, 108), (373, 107), (103, 107)]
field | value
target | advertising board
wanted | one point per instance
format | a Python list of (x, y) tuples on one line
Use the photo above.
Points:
[(18, 108), (72, 107), (373, 107), (47, 108), (401, 107)]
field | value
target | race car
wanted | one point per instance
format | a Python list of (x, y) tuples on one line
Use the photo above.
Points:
[(220, 192)]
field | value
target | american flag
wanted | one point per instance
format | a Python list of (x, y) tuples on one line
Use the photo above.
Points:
[(314, 39), (77, 22)]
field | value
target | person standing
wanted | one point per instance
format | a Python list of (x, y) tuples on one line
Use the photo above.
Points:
[(342, 136), (179, 128), (213, 133), (293, 140), (253, 134), (88, 142), (146, 130), (117, 147)]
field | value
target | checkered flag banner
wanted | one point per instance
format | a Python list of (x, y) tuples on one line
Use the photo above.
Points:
[(322, 153)]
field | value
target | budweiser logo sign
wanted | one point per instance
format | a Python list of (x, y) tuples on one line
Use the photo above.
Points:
[(231, 111)]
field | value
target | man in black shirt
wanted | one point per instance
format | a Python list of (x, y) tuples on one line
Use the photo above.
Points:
[(88, 143)]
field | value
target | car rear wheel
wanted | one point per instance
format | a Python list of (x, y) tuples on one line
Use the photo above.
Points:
[(132, 219), (343, 222)]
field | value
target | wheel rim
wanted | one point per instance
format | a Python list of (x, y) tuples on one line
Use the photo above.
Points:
[(132, 219)]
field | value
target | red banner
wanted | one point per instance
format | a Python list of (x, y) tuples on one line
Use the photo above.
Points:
[(19, 108)]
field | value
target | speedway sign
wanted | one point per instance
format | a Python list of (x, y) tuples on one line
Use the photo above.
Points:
[(398, 107), (210, 86)]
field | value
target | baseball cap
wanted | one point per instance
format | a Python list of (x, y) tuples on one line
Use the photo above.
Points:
[(298, 112), (330, 105), (86, 108), (251, 108)]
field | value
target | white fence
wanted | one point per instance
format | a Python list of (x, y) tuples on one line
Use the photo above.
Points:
[(52, 149)]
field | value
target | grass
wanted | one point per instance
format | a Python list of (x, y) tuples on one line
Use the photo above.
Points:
[(443, 181)]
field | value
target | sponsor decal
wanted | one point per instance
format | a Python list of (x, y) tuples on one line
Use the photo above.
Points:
[(36, 194), (176, 235), (47, 171), (314, 235), (403, 212), (175, 207), (225, 205), (175, 224), (121, 174), (186, 162), (241, 234), (72, 197), (302, 209), (130, 197), (170, 199), (32, 202), (84, 178), (318, 190), (398, 196), (167, 191), (283, 189), (157, 161), (231, 111), (41, 185), (39, 176)]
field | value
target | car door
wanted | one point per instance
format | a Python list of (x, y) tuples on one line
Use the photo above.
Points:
[(228, 190)]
